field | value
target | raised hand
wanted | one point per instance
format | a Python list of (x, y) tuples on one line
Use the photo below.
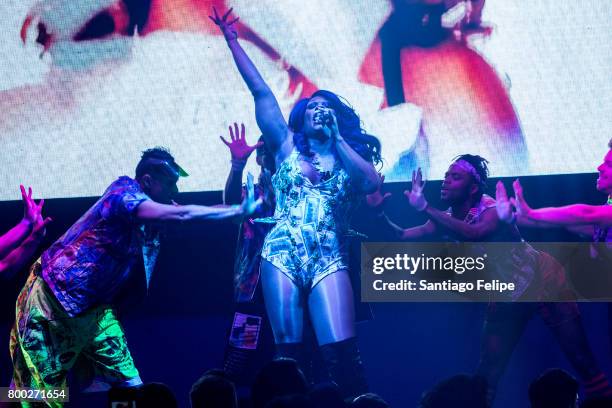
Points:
[(416, 198), (522, 208), (377, 198), (31, 210), (239, 149), (504, 207), (40, 227), (32, 213), (226, 27)]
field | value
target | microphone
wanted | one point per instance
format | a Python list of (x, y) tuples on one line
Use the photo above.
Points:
[(324, 117)]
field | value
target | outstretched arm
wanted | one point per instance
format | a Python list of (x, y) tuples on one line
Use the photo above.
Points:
[(570, 215), (152, 211), (376, 201), (488, 223), (407, 234), (485, 226), (267, 112), (506, 213), (575, 214)]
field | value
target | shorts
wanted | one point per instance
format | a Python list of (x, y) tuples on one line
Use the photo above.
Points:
[(307, 278), (45, 342)]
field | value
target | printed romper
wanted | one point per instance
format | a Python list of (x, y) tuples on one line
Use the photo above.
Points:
[(309, 241)]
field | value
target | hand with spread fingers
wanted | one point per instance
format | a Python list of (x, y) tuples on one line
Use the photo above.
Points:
[(226, 27), (504, 207), (415, 196), (239, 149), (377, 199), (522, 208), (32, 213)]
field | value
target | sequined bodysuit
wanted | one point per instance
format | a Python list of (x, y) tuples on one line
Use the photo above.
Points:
[(308, 241)]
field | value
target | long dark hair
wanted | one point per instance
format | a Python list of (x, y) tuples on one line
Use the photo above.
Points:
[(349, 125)]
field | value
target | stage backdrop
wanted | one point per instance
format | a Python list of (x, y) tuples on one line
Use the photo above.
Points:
[(86, 85)]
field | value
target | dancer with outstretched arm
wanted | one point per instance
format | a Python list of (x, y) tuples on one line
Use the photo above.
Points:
[(67, 307), (582, 219), (471, 217)]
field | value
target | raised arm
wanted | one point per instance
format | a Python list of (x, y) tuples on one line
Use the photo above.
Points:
[(15, 259), (267, 112), (15, 236)]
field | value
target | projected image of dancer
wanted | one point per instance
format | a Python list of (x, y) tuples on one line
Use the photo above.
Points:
[(324, 165), (66, 309), (419, 59), (85, 66), (471, 216)]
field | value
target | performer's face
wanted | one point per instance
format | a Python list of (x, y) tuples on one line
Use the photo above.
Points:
[(313, 126), (604, 181), (162, 188), (458, 185)]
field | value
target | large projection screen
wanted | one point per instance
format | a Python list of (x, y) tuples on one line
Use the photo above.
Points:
[(81, 97)]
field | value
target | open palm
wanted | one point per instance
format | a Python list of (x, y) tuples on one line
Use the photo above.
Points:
[(238, 146)]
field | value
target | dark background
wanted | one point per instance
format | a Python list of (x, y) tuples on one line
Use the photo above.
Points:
[(179, 330)]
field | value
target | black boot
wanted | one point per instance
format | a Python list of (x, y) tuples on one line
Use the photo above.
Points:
[(344, 365)]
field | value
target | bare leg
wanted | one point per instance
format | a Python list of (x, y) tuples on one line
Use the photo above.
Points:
[(331, 308), (283, 304)]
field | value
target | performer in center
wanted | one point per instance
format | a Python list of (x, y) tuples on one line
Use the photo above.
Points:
[(325, 165)]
